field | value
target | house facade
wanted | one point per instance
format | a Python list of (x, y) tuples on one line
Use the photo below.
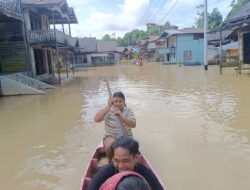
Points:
[(31, 43), (107, 53), (13, 55), (49, 49), (85, 47), (149, 48), (183, 46), (239, 23)]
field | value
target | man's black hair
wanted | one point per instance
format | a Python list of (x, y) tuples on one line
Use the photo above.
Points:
[(127, 143)]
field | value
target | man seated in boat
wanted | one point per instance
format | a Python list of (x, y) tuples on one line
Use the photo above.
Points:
[(119, 120), (124, 181), (125, 152)]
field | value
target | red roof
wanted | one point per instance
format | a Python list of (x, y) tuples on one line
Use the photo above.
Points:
[(149, 39), (153, 38)]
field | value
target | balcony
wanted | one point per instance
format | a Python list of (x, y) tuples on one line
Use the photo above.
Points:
[(167, 50), (41, 36), (49, 37), (171, 50), (11, 8)]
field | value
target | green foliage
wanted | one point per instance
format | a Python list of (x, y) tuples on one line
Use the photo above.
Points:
[(120, 42), (106, 37), (153, 30), (214, 18), (200, 16), (130, 38)]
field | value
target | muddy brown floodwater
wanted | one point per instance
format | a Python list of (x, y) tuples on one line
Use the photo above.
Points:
[(192, 125)]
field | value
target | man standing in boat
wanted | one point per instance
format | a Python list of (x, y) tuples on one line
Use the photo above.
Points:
[(119, 120)]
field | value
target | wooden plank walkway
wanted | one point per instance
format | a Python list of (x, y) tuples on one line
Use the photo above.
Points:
[(242, 67)]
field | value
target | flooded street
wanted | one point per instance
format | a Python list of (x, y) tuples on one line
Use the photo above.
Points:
[(192, 125)]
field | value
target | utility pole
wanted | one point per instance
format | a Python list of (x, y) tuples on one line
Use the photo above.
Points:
[(205, 35)]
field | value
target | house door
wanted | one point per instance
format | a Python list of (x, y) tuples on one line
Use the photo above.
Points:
[(49, 62), (0, 66), (39, 61), (246, 48)]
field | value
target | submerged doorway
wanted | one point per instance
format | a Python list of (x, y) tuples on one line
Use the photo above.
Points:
[(39, 61), (246, 48), (49, 62)]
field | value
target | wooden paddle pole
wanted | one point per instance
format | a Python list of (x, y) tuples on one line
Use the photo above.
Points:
[(108, 87), (109, 90)]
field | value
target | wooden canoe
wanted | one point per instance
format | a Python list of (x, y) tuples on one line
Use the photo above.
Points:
[(98, 159)]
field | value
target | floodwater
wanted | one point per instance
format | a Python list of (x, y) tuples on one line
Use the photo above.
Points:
[(192, 125)]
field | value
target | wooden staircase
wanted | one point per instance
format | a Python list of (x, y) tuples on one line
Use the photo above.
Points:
[(20, 84)]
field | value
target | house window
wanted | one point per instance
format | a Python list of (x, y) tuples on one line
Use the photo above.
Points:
[(35, 21), (187, 55), (198, 36)]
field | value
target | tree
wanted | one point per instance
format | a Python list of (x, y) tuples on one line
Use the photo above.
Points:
[(132, 37), (106, 37), (166, 26), (120, 42), (153, 30), (214, 19), (200, 16)]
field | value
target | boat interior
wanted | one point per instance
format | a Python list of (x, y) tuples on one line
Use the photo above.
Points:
[(98, 160)]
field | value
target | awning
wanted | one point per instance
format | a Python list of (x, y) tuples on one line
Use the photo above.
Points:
[(232, 45), (99, 55)]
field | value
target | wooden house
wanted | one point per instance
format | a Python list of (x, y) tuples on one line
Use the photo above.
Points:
[(49, 49), (183, 46), (106, 53), (13, 56), (239, 22), (226, 43), (30, 43), (85, 48), (149, 47)]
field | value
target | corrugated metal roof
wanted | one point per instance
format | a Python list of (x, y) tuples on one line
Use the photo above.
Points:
[(71, 41), (87, 44), (237, 19), (99, 55), (192, 30), (232, 45), (216, 35), (183, 31), (63, 13), (43, 2), (240, 14), (121, 49), (106, 46), (152, 38)]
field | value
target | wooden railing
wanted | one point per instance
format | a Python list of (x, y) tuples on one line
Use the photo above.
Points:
[(11, 8), (171, 50), (41, 36), (48, 36)]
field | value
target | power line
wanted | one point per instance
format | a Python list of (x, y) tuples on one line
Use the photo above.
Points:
[(169, 11), (155, 12), (147, 12)]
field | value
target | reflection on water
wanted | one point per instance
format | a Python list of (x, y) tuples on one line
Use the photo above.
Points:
[(192, 125)]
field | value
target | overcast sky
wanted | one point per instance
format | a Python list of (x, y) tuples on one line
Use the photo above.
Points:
[(99, 17)]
